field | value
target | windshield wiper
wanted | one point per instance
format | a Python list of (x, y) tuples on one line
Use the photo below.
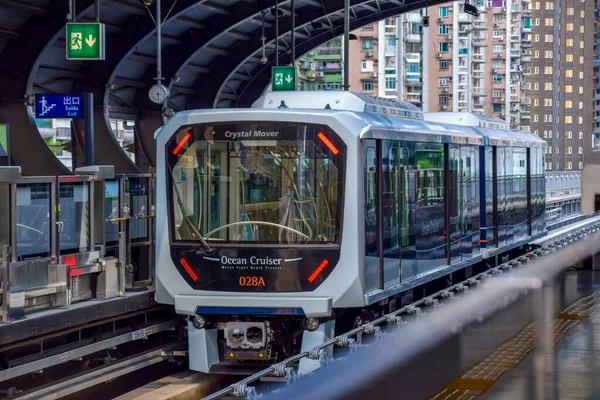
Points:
[(195, 231)]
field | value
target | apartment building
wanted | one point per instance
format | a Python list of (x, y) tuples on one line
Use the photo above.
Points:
[(321, 68), (596, 119), (476, 64), (562, 80)]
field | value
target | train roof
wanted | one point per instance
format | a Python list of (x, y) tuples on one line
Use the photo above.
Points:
[(339, 100), (494, 130)]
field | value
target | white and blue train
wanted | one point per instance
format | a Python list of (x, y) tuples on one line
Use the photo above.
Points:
[(281, 225)]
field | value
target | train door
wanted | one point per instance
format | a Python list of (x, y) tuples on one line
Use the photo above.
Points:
[(372, 260), (390, 196)]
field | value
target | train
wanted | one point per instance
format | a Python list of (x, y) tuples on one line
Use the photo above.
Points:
[(284, 224)]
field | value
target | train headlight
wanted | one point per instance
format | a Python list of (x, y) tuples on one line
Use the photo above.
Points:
[(236, 336), (312, 324), (199, 321)]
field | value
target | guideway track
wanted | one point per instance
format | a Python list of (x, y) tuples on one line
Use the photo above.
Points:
[(353, 338)]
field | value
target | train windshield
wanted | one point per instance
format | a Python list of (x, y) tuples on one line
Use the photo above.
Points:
[(279, 183)]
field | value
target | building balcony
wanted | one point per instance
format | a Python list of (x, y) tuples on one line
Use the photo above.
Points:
[(526, 116), (413, 38), (478, 58), (329, 51), (413, 82), (526, 59), (412, 57), (514, 98), (390, 51), (478, 92)]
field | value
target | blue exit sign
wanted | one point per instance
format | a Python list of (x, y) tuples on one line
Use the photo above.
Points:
[(59, 106)]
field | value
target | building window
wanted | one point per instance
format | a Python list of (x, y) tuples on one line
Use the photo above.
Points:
[(443, 11), (498, 63), (568, 88), (390, 83), (536, 38), (568, 165), (497, 33), (569, 42), (548, 102), (570, 11), (497, 78), (580, 59), (497, 107), (443, 99), (548, 38), (536, 86), (580, 89), (580, 164), (444, 46), (535, 118), (548, 86), (582, 13), (570, 26), (444, 29), (367, 86), (497, 48), (497, 93), (549, 21), (581, 105), (580, 74), (547, 117), (548, 70), (580, 120), (549, 5), (580, 150), (444, 64), (548, 54), (443, 82), (536, 102), (569, 73), (367, 44), (568, 119), (536, 70), (413, 67), (568, 104), (368, 27), (581, 44), (580, 135), (569, 58)]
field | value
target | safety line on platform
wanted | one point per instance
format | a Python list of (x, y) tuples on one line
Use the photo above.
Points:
[(484, 374)]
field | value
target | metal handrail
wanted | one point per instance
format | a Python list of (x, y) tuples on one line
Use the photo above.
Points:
[(370, 374)]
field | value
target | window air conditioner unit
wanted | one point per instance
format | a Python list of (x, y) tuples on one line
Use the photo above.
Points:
[(504, 10), (494, 71), (439, 55), (369, 54), (443, 107), (448, 37), (496, 25), (373, 74), (445, 90), (440, 19)]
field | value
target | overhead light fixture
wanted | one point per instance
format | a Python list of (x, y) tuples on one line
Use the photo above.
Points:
[(470, 9)]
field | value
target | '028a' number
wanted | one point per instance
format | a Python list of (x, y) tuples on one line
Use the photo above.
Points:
[(251, 281)]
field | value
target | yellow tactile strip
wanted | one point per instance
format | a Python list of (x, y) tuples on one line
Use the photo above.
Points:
[(483, 375)]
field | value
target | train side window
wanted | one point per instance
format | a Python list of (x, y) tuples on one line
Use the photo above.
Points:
[(597, 203)]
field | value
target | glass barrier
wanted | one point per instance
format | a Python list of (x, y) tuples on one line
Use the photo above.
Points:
[(4, 210), (33, 220), (111, 210), (138, 190), (74, 217)]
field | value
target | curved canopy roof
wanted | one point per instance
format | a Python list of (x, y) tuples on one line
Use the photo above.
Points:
[(211, 51)]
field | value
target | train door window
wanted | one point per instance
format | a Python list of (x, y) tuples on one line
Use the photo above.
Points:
[(371, 231), (407, 171), (510, 198), (489, 198), (390, 202), (454, 199), (501, 195), (519, 186), (430, 246), (137, 189)]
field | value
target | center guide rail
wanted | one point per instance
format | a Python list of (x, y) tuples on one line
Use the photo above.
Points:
[(496, 291)]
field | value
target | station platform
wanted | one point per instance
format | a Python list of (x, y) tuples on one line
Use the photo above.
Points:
[(508, 371)]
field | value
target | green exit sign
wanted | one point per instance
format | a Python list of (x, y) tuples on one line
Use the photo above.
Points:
[(85, 41), (283, 78)]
